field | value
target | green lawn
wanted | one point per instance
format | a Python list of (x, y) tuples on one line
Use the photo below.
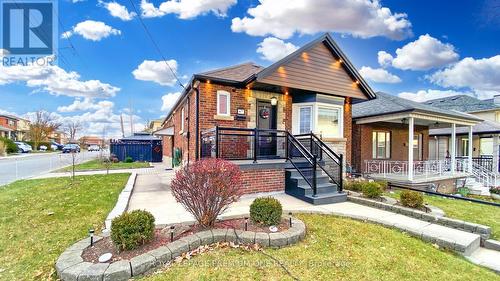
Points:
[(334, 249), (41, 218), (97, 165), (464, 210)]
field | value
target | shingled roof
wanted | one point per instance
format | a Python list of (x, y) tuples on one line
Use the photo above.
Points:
[(484, 127), (236, 73), (389, 104), (463, 103)]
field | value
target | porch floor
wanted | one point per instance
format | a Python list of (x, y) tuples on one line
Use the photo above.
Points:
[(418, 179)]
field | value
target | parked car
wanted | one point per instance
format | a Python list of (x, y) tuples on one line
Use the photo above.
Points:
[(23, 147), (56, 146), (94, 147), (43, 148), (71, 147)]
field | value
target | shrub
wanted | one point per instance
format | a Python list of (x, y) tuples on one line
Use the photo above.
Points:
[(495, 190), (355, 185), (206, 188), (129, 159), (11, 146), (371, 189), (266, 211), (130, 230), (383, 184), (3, 148), (412, 199)]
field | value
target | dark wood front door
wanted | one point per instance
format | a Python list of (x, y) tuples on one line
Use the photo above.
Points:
[(266, 119)]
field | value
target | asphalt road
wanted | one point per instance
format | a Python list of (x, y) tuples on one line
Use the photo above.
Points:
[(25, 166)]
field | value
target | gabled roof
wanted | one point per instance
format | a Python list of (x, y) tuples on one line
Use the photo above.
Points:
[(482, 128), (389, 104), (236, 73), (463, 103), (336, 51)]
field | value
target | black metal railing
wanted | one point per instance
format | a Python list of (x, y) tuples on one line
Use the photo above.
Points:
[(485, 161), (330, 162), (306, 152)]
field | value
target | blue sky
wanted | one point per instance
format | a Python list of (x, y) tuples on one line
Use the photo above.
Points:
[(430, 49)]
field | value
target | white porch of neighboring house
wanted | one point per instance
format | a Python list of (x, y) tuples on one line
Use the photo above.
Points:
[(6, 132), (411, 171)]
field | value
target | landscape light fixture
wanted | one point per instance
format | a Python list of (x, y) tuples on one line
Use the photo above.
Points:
[(91, 235), (290, 219), (274, 101), (246, 223), (172, 233)]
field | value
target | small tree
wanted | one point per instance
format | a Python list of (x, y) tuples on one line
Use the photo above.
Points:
[(42, 125), (72, 128), (206, 188)]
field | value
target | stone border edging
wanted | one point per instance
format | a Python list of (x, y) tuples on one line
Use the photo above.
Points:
[(122, 202), (71, 267), (483, 231), (492, 244)]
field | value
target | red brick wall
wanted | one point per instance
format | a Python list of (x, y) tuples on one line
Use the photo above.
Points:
[(263, 180), (362, 142), (4, 122)]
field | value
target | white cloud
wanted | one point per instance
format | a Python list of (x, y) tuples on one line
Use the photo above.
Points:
[(384, 58), (56, 81), (3, 52), (361, 18), (156, 71), (92, 30), (169, 101), (477, 74), (86, 104), (378, 75), (273, 49), (118, 11), (425, 95), (186, 9), (424, 53)]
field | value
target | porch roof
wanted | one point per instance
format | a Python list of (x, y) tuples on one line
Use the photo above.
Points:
[(5, 129), (164, 132), (485, 127), (389, 108)]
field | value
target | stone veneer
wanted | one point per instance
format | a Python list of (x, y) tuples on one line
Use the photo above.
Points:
[(70, 265)]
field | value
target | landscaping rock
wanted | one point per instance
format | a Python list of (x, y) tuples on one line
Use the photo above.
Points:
[(178, 247), (95, 272), (231, 235), (246, 237), (142, 263), (219, 235), (206, 237), (492, 244), (293, 235), (161, 254), (118, 271), (71, 273), (277, 240), (192, 240), (262, 239), (68, 259)]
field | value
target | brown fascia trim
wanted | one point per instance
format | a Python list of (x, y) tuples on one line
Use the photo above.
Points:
[(417, 111)]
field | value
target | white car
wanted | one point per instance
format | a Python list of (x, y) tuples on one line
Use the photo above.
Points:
[(94, 147), (23, 147), (43, 148)]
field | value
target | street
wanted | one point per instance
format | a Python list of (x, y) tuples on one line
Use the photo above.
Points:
[(29, 165)]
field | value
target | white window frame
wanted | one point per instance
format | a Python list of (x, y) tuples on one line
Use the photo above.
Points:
[(182, 120), (314, 113), (228, 103)]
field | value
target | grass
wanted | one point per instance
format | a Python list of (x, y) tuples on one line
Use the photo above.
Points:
[(334, 249), (464, 210), (40, 218), (96, 164)]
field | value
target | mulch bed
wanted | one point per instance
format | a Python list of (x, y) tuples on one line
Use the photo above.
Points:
[(162, 237)]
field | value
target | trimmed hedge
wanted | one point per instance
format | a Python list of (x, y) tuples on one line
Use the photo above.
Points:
[(266, 211), (128, 159), (372, 189), (132, 229), (412, 199)]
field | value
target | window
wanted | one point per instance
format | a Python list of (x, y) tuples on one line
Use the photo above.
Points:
[(417, 147), (465, 147), (182, 120), (305, 119), (486, 146), (328, 121), (381, 145), (223, 103)]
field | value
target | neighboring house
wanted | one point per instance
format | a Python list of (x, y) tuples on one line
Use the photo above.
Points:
[(23, 128), (391, 139), (485, 139), (154, 125), (8, 126), (246, 112), (86, 141), (59, 137)]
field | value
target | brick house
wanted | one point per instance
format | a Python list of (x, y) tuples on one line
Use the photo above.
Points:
[(8, 126), (253, 115)]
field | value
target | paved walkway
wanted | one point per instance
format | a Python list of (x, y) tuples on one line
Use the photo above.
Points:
[(152, 193)]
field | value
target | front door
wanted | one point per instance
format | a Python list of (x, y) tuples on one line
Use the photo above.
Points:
[(266, 119)]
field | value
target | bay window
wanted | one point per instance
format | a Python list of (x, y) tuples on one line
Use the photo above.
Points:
[(320, 118)]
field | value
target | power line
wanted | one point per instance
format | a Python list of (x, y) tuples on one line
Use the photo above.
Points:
[(156, 45)]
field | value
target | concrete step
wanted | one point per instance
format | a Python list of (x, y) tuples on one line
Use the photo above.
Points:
[(320, 188), (319, 179), (326, 198)]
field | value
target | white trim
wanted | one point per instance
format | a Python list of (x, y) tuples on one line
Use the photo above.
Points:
[(182, 120), (228, 102), (417, 115), (314, 113)]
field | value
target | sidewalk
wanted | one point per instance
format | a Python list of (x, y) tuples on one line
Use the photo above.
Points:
[(27, 155), (155, 170)]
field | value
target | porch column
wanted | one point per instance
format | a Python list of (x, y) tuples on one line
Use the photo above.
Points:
[(453, 151), (470, 141), (410, 147), (495, 153)]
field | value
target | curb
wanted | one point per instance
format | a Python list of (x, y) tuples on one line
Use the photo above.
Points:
[(121, 203), (70, 265)]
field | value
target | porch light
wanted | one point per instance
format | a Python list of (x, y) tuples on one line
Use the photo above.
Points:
[(208, 81), (357, 82), (286, 93), (274, 101), (340, 61), (91, 235)]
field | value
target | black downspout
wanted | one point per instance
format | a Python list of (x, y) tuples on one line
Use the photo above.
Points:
[(197, 145), (189, 121)]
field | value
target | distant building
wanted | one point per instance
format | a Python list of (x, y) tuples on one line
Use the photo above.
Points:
[(154, 125), (59, 137), (23, 129), (8, 126), (85, 141)]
